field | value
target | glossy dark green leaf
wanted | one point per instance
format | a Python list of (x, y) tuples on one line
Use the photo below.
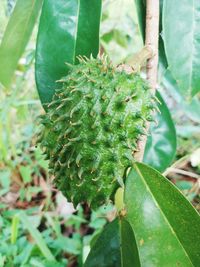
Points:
[(115, 247), (161, 143), (162, 63), (16, 37), (67, 29), (166, 226), (181, 33)]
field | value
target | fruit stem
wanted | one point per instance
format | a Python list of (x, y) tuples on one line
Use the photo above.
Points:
[(119, 199), (137, 61), (151, 40)]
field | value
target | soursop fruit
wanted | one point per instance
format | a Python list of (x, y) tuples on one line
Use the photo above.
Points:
[(91, 129)]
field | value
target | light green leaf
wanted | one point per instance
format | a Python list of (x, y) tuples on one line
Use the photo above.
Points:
[(26, 172), (5, 178), (14, 229), (192, 108), (16, 37), (181, 33), (166, 226), (36, 235), (114, 247), (67, 29)]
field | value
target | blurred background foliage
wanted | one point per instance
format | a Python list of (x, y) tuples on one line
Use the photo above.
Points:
[(38, 227)]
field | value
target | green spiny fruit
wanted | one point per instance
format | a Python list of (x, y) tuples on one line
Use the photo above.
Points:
[(91, 129)]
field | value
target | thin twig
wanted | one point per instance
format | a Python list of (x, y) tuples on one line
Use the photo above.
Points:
[(178, 164), (152, 36), (183, 172)]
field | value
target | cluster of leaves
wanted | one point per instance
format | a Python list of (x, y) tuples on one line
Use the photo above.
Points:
[(50, 238), (38, 226)]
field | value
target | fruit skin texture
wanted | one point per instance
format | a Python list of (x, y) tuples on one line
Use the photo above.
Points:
[(91, 129)]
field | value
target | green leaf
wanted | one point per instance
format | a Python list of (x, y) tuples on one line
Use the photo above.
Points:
[(67, 29), (68, 245), (141, 12), (166, 226), (14, 229), (5, 178), (181, 33), (115, 247), (16, 37), (26, 172), (192, 108), (161, 143), (36, 235), (162, 63)]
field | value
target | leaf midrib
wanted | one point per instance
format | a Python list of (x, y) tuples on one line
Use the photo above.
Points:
[(162, 212)]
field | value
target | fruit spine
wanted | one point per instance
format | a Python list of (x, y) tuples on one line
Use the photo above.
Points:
[(91, 129)]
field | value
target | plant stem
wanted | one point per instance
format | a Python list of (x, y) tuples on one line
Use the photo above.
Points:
[(152, 37), (151, 40)]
